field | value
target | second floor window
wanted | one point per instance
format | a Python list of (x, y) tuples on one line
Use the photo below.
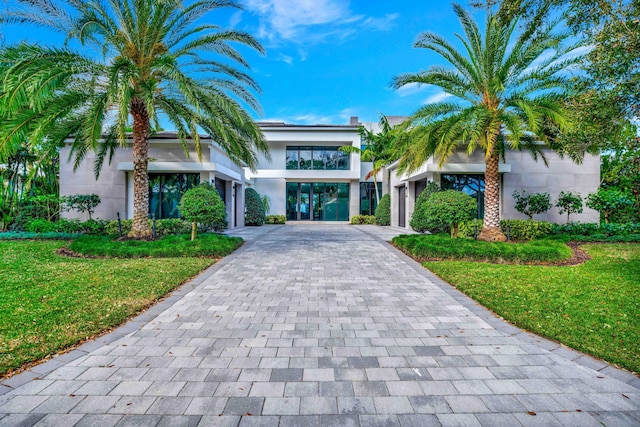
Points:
[(307, 158)]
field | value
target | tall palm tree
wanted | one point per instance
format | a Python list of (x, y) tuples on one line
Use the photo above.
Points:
[(136, 60), (506, 91), (377, 149)]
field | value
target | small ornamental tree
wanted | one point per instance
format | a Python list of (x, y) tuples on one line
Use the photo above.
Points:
[(81, 203), (570, 203), (447, 209), (418, 221), (203, 205), (383, 211), (254, 213), (531, 203), (607, 201)]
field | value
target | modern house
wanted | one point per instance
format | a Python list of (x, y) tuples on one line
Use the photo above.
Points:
[(309, 179), (171, 172)]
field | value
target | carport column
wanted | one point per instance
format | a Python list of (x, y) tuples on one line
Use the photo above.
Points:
[(229, 201), (238, 196), (354, 198)]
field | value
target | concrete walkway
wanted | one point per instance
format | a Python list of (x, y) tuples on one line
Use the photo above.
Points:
[(327, 325)]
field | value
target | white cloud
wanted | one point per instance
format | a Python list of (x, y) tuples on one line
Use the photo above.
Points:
[(436, 97), (411, 89), (311, 21)]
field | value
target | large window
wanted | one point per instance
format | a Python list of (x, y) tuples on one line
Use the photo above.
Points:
[(324, 158), (368, 200), (317, 201), (165, 191), (471, 184)]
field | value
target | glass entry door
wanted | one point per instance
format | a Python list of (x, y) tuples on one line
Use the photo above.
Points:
[(318, 201)]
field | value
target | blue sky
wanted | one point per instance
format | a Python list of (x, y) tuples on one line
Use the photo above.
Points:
[(328, 60)]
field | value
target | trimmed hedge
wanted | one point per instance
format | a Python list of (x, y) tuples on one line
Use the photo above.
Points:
[(383, 211), (275, 219), (443, 247), (519, 229), (92, 226), (164, 227), (23, 235), (363, 219), (254, 213)]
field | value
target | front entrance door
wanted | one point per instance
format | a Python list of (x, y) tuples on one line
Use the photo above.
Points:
[(318, 201), (402, 203)]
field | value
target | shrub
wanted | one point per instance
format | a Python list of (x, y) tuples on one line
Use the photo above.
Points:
[(81, 203), (275, 219), (569, 203), (445, 210), (518, 229), (203, 205), (440, 246), (383, 211), (418, 221), (253, 208), (531, 203), (40, 226), (525, 229), (607, 201), (164, 227), (363, 219), (592, 232)]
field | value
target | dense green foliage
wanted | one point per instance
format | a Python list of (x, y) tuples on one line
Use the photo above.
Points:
[(607, 201), (443, 247), (443, 210), (531, 204), (81, 203), (164, 227), (203, 205), (591, 307), (570, 203), (50, 302), (208, 245), (516, 229), (363, 219), (275, 219), (383, 211), (418, 221), (92, 226), (254, 213)]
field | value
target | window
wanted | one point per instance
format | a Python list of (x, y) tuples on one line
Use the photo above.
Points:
[(471, 184), (165, 191), (368, 200), (317, 158)]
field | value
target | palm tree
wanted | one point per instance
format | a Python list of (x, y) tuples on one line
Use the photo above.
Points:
[(507, 91), (137, 60), (376, 149)]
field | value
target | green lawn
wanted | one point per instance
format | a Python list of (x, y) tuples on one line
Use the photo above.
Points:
[(593, 307), (49, 302)]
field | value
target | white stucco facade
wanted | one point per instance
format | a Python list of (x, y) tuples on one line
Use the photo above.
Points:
[(318, 192)]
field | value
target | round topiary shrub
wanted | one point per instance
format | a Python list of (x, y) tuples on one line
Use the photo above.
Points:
[(418, 221), (203, 205), (445, 210), (383, 211), (254, 213)]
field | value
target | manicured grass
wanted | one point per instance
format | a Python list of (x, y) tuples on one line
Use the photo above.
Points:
[(205, 245), (593, 307), (49, 302), (442, 247)]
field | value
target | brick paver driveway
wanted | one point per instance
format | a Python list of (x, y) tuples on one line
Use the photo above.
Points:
[(320, 325)]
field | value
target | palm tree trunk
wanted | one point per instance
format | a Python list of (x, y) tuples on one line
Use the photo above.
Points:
[(491, 230), (140, 227)]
